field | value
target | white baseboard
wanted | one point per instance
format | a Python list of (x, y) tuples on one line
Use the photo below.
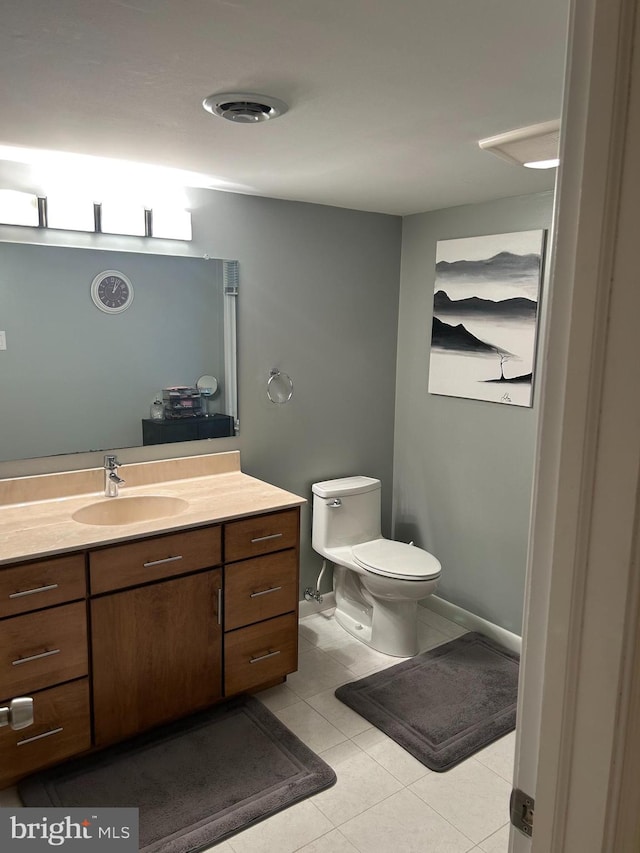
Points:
[(444, 608), (309, 607), (472, 622)]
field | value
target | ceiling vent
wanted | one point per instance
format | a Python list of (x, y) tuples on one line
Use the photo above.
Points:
[(244, 108), (535, 146)]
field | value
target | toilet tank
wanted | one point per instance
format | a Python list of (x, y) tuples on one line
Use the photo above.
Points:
[(357, 517)]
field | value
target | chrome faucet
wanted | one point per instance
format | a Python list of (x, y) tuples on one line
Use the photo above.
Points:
[(111, 478)]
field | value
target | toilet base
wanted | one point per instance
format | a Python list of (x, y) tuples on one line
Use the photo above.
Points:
[(388, 626)]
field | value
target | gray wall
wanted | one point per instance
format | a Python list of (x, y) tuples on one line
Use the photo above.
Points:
[(323, 297), (463, 469), (319, 300)]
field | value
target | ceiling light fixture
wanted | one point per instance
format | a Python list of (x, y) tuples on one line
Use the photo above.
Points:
[(535, 147), (244, 108), (99, 177)]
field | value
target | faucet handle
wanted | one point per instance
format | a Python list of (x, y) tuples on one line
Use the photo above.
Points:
[(111, 461)]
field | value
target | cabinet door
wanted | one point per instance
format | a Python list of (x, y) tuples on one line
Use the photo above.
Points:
[(260, 588), (33, 586), (42, 649), (157, 654), (61, 728), (154, 559), (261, 534), (260, 653)]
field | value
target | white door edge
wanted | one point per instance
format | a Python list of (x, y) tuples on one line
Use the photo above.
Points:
[(582, 597)]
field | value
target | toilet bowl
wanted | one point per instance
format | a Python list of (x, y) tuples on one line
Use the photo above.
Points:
[(377, 582)]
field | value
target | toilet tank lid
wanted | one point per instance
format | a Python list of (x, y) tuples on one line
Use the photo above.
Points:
[(345, 486)]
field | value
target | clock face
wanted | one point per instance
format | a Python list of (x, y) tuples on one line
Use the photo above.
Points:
[(112, 291)]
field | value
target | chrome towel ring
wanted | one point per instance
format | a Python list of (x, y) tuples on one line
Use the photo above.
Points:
[(279, 386)]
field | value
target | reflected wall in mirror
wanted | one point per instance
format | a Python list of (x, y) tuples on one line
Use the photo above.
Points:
[(74, 378)]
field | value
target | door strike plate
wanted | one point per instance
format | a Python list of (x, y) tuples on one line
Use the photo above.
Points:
[(521, 807)]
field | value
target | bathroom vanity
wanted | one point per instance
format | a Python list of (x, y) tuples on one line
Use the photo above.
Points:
[(114, 628)]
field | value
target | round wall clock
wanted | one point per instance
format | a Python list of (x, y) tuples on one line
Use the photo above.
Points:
[(112, 291)]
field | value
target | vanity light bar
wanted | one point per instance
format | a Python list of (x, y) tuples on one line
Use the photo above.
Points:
[(26, 209)]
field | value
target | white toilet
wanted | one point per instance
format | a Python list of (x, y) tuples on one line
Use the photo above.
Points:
[(377, 582)]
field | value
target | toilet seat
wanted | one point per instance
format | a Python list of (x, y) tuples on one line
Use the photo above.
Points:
[(396, 560)]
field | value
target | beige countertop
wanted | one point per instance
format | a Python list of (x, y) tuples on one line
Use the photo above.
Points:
[(36, 512)]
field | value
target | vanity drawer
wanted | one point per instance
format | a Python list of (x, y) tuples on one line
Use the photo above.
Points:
[(152, 559), (260, 653), (35, 585), (260, 534), (260, 588), (61, 728), (42, 649)]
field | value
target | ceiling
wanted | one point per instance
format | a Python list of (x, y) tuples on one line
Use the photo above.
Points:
[(387, 98)]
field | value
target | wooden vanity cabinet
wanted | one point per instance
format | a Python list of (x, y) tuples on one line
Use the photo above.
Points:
[(166, 625), (261, 600), (43, 656), (157, 647)]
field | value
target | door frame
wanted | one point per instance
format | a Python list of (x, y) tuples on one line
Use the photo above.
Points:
[(578, 732)]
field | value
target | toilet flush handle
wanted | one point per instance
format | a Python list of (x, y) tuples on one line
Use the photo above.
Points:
[(336, 502)]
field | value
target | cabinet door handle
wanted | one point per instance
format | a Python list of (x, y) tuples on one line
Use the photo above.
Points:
[(219, 605), (264, 657), (39, 737), (264, 538), (159, 562), (35, 657), (18, 713), (34, 590), (265, 591)]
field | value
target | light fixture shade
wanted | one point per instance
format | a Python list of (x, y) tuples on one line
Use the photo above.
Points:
[(18, 208), (171, 223), (123, 217), (69, 213), (526, 145)]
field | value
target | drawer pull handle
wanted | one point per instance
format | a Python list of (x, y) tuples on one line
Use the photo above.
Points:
[(265, 591), (35, 657), (39, 737), (220, 606), (264, 538), (159, 562), (264, 657), (33, 591)]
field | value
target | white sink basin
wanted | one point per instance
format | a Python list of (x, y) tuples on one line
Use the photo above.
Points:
[(111, 511)]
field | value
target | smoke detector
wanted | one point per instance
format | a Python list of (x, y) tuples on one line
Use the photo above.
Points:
[(244, 108)]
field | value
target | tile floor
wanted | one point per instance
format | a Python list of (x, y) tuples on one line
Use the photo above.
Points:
[(384, 800)]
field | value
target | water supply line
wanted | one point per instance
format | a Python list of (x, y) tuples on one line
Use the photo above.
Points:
[(309, 593)]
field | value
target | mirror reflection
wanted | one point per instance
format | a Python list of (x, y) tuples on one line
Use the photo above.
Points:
[(108, 350)]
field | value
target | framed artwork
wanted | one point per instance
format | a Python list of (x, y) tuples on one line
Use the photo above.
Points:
[(485, 317)]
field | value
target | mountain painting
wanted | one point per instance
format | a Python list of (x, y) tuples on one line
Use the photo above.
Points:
[(485, 317)]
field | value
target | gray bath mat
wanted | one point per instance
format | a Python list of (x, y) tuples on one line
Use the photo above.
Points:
[(445, 704), (196, 781)]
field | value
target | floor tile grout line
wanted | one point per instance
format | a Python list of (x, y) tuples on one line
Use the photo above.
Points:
[(404, 786), (444, 817), (408, 788), (349, 737)]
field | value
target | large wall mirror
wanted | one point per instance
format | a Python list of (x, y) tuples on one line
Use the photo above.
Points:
[(75, 377)]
